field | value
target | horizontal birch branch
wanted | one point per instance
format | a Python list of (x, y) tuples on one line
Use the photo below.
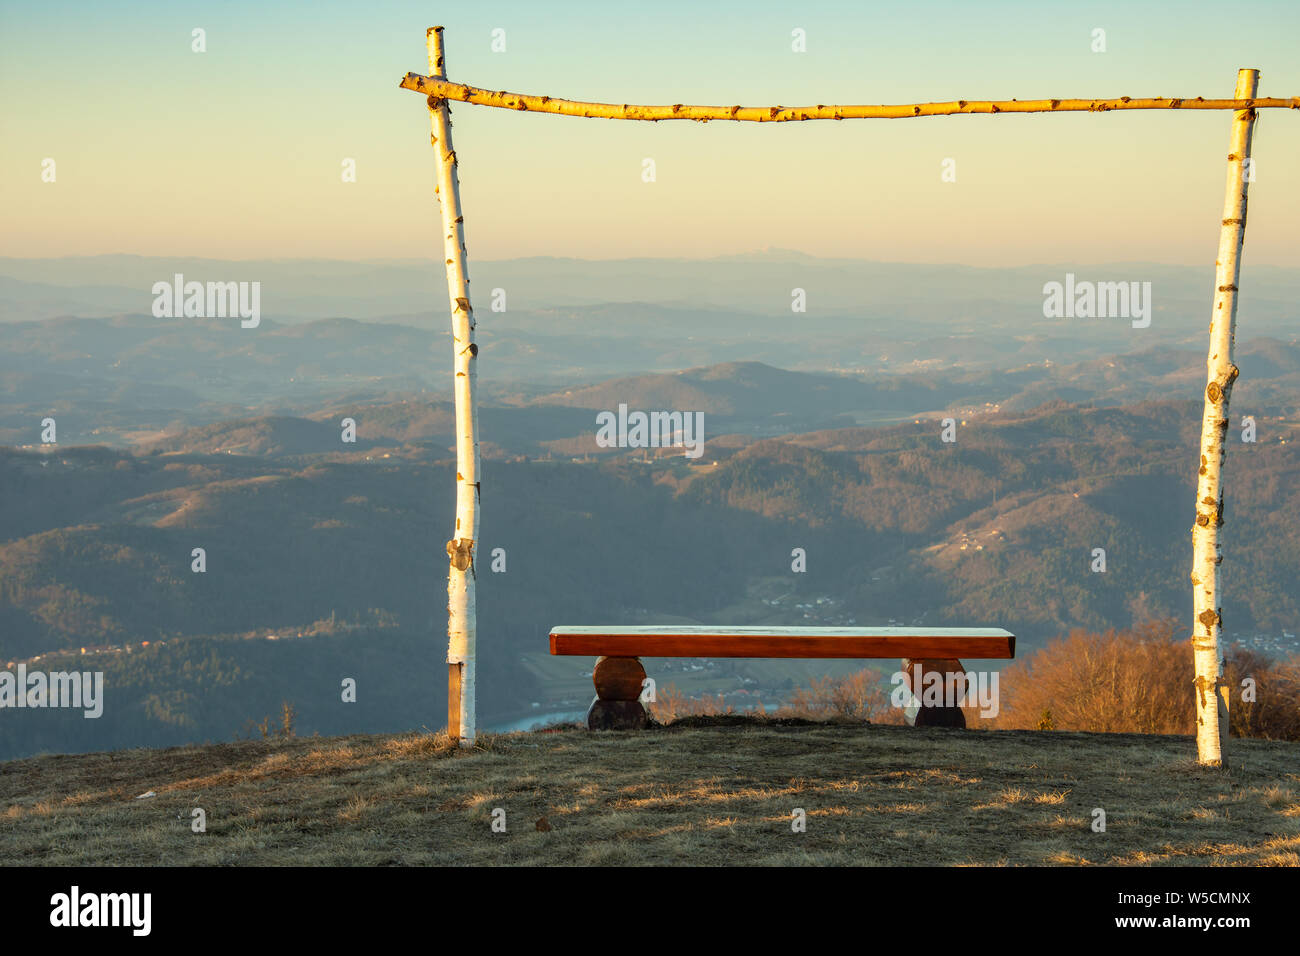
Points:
[(446, 90)]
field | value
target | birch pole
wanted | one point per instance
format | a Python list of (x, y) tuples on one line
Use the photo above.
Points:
[(440, 86), (1207, 552), (461, 575)]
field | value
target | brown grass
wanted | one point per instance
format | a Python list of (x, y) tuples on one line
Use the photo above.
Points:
[(709, 790)]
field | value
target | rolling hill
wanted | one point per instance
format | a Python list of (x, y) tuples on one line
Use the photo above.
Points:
[(998, 528)]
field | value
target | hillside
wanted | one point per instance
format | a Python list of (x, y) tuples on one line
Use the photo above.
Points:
[(290, 542), (996, 529), (701, 794)]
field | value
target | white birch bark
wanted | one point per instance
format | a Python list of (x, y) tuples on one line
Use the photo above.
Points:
[(1207, 551), (440, 86), (461, 575)]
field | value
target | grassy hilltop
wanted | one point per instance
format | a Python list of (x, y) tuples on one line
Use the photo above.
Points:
[(703, 791)]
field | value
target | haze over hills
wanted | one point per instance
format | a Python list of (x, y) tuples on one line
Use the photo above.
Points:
[(134, 381), (751, 283), (913, 339)]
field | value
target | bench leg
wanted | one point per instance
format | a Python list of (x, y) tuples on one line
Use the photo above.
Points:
[(922, 678), (616, 705)]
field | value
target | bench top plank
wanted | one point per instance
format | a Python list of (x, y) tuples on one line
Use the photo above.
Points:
[(782, 642)]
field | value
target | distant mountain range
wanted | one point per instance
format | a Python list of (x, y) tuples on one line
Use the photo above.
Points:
[(877, 343), (137, 381), (759, 283)]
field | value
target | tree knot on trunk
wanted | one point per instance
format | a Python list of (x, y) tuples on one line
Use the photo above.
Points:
[(1213, 514), (461, 552), (1206, 518), (1209, 618), (1203, 684)]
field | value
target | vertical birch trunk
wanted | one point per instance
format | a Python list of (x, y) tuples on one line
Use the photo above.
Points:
[(460, 549), (1207, 552)]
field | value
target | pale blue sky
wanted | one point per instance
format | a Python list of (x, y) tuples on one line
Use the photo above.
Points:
[(237, 152)]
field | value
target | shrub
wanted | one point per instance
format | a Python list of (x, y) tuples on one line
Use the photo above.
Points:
[(670, 703), (1139, 680), (1274, 714), (859, 696)]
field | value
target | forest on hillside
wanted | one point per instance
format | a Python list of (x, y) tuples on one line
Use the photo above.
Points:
[(998, 528)]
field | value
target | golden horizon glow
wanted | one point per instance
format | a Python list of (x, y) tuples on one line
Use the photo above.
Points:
[(237, 152)]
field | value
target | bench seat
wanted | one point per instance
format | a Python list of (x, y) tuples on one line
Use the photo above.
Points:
[(773, 642)]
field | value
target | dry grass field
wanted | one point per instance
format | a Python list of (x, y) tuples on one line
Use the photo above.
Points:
[(704, 791)]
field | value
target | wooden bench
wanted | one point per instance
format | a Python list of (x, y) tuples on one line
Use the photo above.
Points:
[(619, 675)]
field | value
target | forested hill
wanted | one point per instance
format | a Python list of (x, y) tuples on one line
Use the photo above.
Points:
[(997, 528)]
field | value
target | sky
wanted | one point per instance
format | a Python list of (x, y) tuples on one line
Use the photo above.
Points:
[(237, 152)]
